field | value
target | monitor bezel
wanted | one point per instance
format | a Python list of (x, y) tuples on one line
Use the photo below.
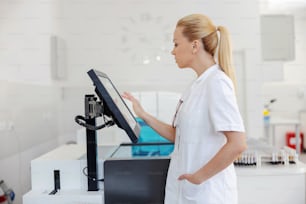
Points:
[(111, 107)]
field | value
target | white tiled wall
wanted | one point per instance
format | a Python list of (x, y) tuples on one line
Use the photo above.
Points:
[(296, 70), (29, 127), (25, 30)]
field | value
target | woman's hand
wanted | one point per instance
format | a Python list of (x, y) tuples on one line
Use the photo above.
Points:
[(191, 178), (164, 129), (136, 105), (234, 146)]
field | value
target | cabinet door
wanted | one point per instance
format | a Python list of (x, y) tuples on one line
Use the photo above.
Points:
[(272, 189), (277, 37)]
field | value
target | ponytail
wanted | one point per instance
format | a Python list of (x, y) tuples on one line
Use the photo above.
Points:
[(225, 54)]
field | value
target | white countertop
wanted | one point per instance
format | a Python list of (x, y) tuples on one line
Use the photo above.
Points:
[(267, 169)]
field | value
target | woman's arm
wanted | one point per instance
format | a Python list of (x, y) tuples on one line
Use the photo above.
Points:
[(234, 146), (165, 130)]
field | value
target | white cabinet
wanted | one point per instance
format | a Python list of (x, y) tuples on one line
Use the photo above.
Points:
[(277, 37), (272, 184)]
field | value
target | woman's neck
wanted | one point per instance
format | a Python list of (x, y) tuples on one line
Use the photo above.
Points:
[(203, 64)]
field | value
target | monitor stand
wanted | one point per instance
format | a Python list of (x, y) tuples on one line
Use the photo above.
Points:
[(91, 147), (93, 109)]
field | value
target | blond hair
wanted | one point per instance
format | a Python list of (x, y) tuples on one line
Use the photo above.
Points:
[(198, 26)]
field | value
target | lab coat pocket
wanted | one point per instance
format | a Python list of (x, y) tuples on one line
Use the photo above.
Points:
[(190, 190)]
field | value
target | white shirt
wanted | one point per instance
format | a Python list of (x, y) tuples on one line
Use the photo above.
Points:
[(208, 107)]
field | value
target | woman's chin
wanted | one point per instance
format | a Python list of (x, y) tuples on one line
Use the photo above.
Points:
[(180, 66)]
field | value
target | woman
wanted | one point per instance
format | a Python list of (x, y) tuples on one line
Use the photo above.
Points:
[(207, 129)]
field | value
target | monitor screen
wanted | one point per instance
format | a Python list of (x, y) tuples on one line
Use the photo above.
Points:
[(114, 105)]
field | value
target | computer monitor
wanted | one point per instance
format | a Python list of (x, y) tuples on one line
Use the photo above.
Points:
[(113, 104)]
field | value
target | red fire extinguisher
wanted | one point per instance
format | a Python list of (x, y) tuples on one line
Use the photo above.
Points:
[(7, 195), (3, 199)]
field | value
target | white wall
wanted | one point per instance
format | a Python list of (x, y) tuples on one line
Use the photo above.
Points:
[(28, 128), (295, 71), (29, 104), (26, 27)]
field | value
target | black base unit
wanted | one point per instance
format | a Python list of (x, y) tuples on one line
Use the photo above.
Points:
[(135, 181)]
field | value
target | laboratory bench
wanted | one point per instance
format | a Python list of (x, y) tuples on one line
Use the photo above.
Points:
[(272, 184), (261, 183)]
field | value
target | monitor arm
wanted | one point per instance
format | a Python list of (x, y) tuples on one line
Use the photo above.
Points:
[(93, 109)]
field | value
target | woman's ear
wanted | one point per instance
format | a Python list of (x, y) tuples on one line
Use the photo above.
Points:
[(195, 46)]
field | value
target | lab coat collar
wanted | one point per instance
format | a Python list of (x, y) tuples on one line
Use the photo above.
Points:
[(207, 72)]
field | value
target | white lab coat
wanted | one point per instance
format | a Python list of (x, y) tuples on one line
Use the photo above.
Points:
[(209, 107)]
